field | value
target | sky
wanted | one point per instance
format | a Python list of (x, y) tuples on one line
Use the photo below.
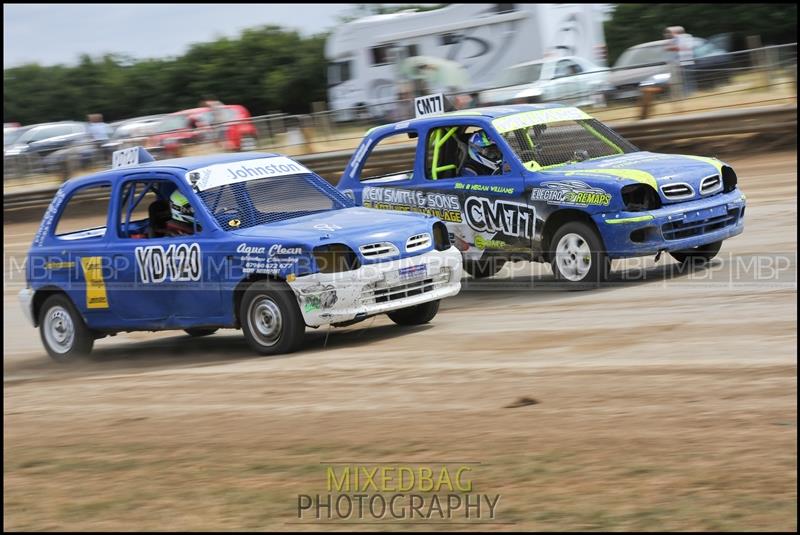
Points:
[(50, 34)]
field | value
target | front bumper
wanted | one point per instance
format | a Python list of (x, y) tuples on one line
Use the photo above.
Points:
[(26, 301), (674, 227), (372, 289)]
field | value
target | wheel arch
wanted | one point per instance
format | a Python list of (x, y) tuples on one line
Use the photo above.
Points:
[(41, 295), (559, 218), (241, 288)]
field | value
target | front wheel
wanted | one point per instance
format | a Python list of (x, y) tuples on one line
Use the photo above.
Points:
[(64, 333), (416, 315), (699, 255), (270, 318), (579, 256)]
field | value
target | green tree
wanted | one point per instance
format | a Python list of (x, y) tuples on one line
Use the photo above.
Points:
[(632, 24), (265, 68)]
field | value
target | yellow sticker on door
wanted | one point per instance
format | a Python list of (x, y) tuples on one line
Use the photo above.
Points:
[(95, 285)]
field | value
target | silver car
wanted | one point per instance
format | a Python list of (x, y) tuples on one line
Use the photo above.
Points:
[(566, 79), (647, 64)]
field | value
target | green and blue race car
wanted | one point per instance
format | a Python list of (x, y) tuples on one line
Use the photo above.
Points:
[(548, 183)]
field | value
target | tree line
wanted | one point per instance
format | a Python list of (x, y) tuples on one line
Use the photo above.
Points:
[(265, 69)]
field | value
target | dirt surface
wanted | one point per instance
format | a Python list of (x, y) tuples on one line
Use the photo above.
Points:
[(664, 403)]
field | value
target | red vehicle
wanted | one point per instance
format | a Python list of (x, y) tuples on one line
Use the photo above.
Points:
[(236, 131)]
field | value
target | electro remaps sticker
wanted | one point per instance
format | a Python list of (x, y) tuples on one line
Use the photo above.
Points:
[(182, 262)]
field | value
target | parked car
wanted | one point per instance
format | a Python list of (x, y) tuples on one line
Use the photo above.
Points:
[(549, 183), (566, 79), (647, 64), (252, 241), (135, 127), (52, 147), (12, 132), (236, 133)]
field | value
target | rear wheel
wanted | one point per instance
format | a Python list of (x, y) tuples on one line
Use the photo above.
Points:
[(64, 333), (484, 267), (270, 318), (197, 332), (699, 255), (416, 315), (578, 255)]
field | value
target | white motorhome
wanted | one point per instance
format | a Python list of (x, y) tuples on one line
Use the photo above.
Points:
[(364, 54)]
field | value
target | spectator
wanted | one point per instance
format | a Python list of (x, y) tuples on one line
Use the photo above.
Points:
[(217, 114), (100, 133), (99, 130), (680, 49)]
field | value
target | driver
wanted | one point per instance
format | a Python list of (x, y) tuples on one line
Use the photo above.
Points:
[(182, 222), (485, 156)]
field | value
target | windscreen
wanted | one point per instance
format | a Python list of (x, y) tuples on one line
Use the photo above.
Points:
[(524, 74), (642, 56), (268, 200), (548, 144)]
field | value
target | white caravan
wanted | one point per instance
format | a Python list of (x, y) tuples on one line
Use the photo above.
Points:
[(364, 54)]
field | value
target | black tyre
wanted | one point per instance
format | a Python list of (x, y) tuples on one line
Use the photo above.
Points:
[(416, 315), (270, 318), (578, 256), (699, 255), (64, 333), (197, 332), (484, 267)]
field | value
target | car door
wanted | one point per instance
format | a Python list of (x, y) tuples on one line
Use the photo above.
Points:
[(161, 276), (566, 84), (494, 216)]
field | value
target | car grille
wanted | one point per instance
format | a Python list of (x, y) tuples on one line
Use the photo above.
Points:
[(383, 249), (678, 190), (679, 229), (420, 241), (710, 184), (382, 293)]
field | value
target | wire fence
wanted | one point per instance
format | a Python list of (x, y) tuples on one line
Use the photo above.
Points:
[(766, 75)]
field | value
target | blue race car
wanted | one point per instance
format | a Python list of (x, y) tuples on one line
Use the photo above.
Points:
[(547, 183), (252, 241)]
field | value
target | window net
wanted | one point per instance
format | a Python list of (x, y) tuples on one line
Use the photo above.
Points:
[(267, 200), (566, 141)]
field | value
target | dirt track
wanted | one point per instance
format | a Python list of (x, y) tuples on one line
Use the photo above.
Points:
[(664, 403)]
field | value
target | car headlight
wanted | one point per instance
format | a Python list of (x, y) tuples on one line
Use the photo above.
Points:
[(656, 79), (729, 179), (335, 258), (640, 198), (441, 238), (532, 92)]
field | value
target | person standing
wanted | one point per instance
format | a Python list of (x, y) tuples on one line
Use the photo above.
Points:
[(685, 44), (100, 133), (680, 56)]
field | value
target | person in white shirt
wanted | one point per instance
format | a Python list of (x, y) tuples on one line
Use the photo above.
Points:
[(681, 54)]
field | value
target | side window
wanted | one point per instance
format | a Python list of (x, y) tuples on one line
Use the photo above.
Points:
[(574, 68), (148, 209), (85, 214), (400, 168), (447, 153), (563, 69), (382, 55)]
